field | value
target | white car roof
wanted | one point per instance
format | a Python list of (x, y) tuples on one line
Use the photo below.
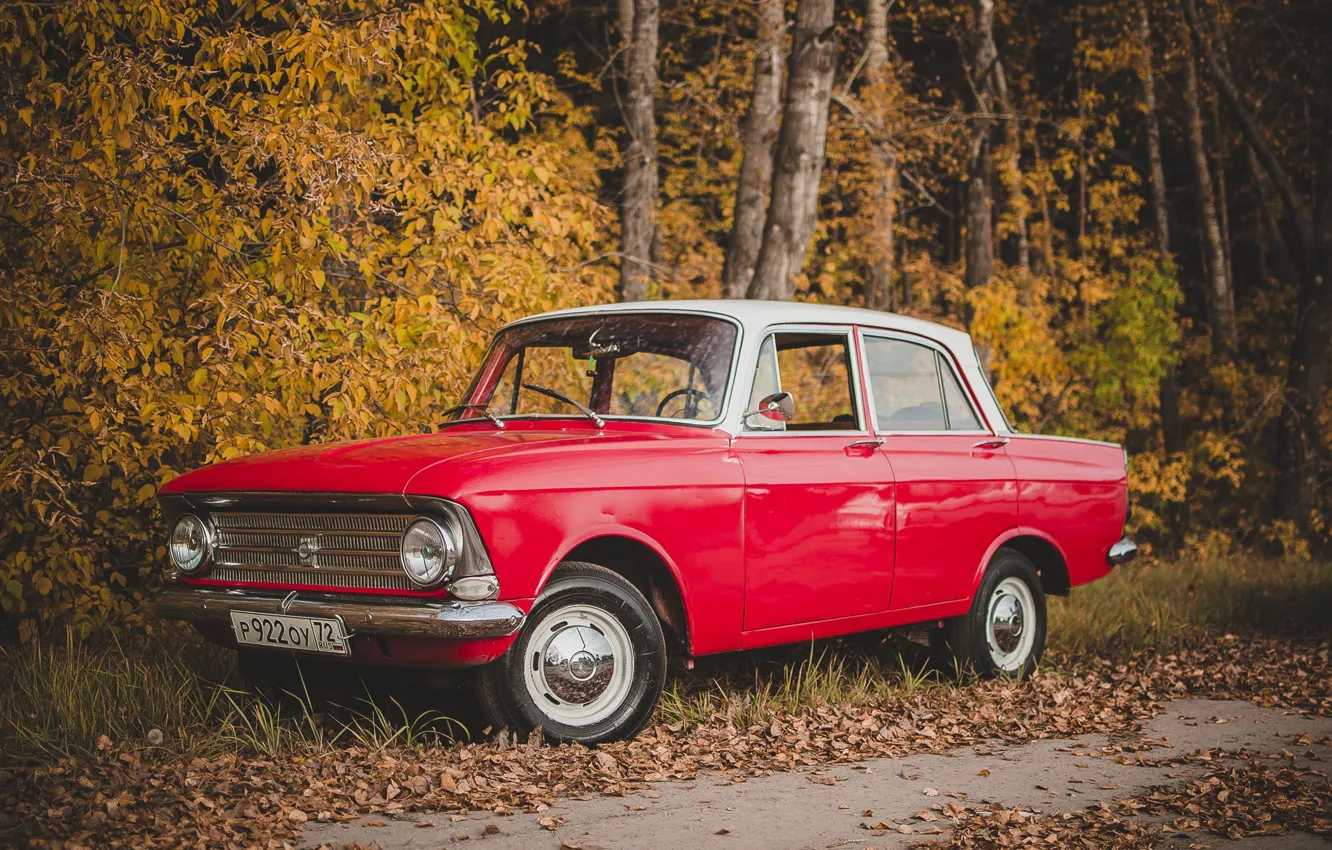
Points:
[(755, 316)]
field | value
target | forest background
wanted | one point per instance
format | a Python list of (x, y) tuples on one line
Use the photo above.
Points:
[(232, 226)]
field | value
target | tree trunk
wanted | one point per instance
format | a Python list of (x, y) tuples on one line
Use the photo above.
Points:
[(979, 212), (793, 209), (1276, 240), (1160, 209), (1222, 195), (1220, 302), (759, 138), (1298, 433), (1017, 200), (879, 292), (1172, 431), (1082, 164), (638, 22)]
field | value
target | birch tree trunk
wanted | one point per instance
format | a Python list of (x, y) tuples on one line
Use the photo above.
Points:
[(793, 209), (1172, 431), (1220, 301), (883, 244), (1222, 193), (979, 201), (638, 22), (759, 138)]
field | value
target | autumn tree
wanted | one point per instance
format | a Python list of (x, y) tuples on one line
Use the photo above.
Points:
[(1308, 213), (227, 229)]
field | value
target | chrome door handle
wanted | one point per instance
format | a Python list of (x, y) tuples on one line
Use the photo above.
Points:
[(866, 444), (993, 443)]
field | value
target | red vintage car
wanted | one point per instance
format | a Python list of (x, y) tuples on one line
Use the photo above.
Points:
[(632, 480)]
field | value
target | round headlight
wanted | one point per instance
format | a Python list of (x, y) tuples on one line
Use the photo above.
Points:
[(429, 552), (190, 544)]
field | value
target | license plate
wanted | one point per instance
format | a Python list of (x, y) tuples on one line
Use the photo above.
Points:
[(305, 634)]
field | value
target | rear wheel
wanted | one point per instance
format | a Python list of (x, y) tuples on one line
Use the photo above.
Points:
[(588, 665), (1004, 632)]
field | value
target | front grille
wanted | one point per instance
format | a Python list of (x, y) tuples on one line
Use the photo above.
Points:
[(354, 551)]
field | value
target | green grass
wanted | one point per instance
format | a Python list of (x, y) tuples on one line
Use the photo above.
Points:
[(182, 697)]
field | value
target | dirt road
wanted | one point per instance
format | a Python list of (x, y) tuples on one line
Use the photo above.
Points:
[(878, 803)]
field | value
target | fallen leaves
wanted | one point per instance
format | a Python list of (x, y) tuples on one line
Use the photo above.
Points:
[(236, 800), (1234, 801)]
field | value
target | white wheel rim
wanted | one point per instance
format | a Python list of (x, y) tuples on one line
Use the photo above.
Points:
[(1010, 625), (579, 665)]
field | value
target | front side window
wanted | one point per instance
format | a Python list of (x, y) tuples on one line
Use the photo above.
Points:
[(815, 368), (648, 365), (915, 389)]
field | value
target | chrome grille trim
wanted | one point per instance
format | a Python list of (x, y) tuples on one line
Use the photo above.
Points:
[(314, 578), (396, 523), (351, 551)]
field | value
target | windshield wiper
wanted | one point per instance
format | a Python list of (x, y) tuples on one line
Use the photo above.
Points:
[(559, 396), (485, 411)]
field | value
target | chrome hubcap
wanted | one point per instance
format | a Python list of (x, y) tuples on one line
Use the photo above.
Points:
[(579, 666), (1007, 619), (1007, 632)]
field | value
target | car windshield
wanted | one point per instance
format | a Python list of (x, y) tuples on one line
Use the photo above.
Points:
[(631, 365)]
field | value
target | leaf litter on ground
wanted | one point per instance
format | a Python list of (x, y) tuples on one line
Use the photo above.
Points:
[(131, 797)]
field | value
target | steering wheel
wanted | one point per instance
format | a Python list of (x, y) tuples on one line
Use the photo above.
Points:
[(692, 398)]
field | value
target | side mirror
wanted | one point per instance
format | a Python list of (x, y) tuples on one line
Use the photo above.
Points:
[(779, 407)]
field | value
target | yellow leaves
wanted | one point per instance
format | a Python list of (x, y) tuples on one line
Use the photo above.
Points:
[(331, 262)]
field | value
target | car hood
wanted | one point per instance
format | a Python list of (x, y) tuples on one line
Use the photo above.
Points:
[(374, 466)]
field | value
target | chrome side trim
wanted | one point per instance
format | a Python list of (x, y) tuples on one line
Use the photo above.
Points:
[(1122, 552), (400, 617)]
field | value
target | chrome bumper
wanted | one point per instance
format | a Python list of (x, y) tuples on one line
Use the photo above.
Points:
[(369, 615), (1122, 552)]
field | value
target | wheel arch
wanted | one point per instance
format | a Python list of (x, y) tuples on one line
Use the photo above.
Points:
[(643, 565), (1044, 553)]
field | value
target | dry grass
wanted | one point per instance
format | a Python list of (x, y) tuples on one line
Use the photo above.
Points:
[(1159, 602), (60, 700)]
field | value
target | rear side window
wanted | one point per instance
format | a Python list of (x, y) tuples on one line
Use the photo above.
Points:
[(915, 389)]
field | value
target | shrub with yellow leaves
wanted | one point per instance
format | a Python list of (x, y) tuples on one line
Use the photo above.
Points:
[(226, 228)]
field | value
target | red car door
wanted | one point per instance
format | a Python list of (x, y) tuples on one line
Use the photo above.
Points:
[(818, 511), (956, 487)]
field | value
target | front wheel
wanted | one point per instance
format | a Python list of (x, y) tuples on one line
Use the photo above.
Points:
[(588, 665), (1004, 632)]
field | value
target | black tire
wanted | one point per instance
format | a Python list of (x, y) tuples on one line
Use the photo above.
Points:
[(966, 639), (506, 687)]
